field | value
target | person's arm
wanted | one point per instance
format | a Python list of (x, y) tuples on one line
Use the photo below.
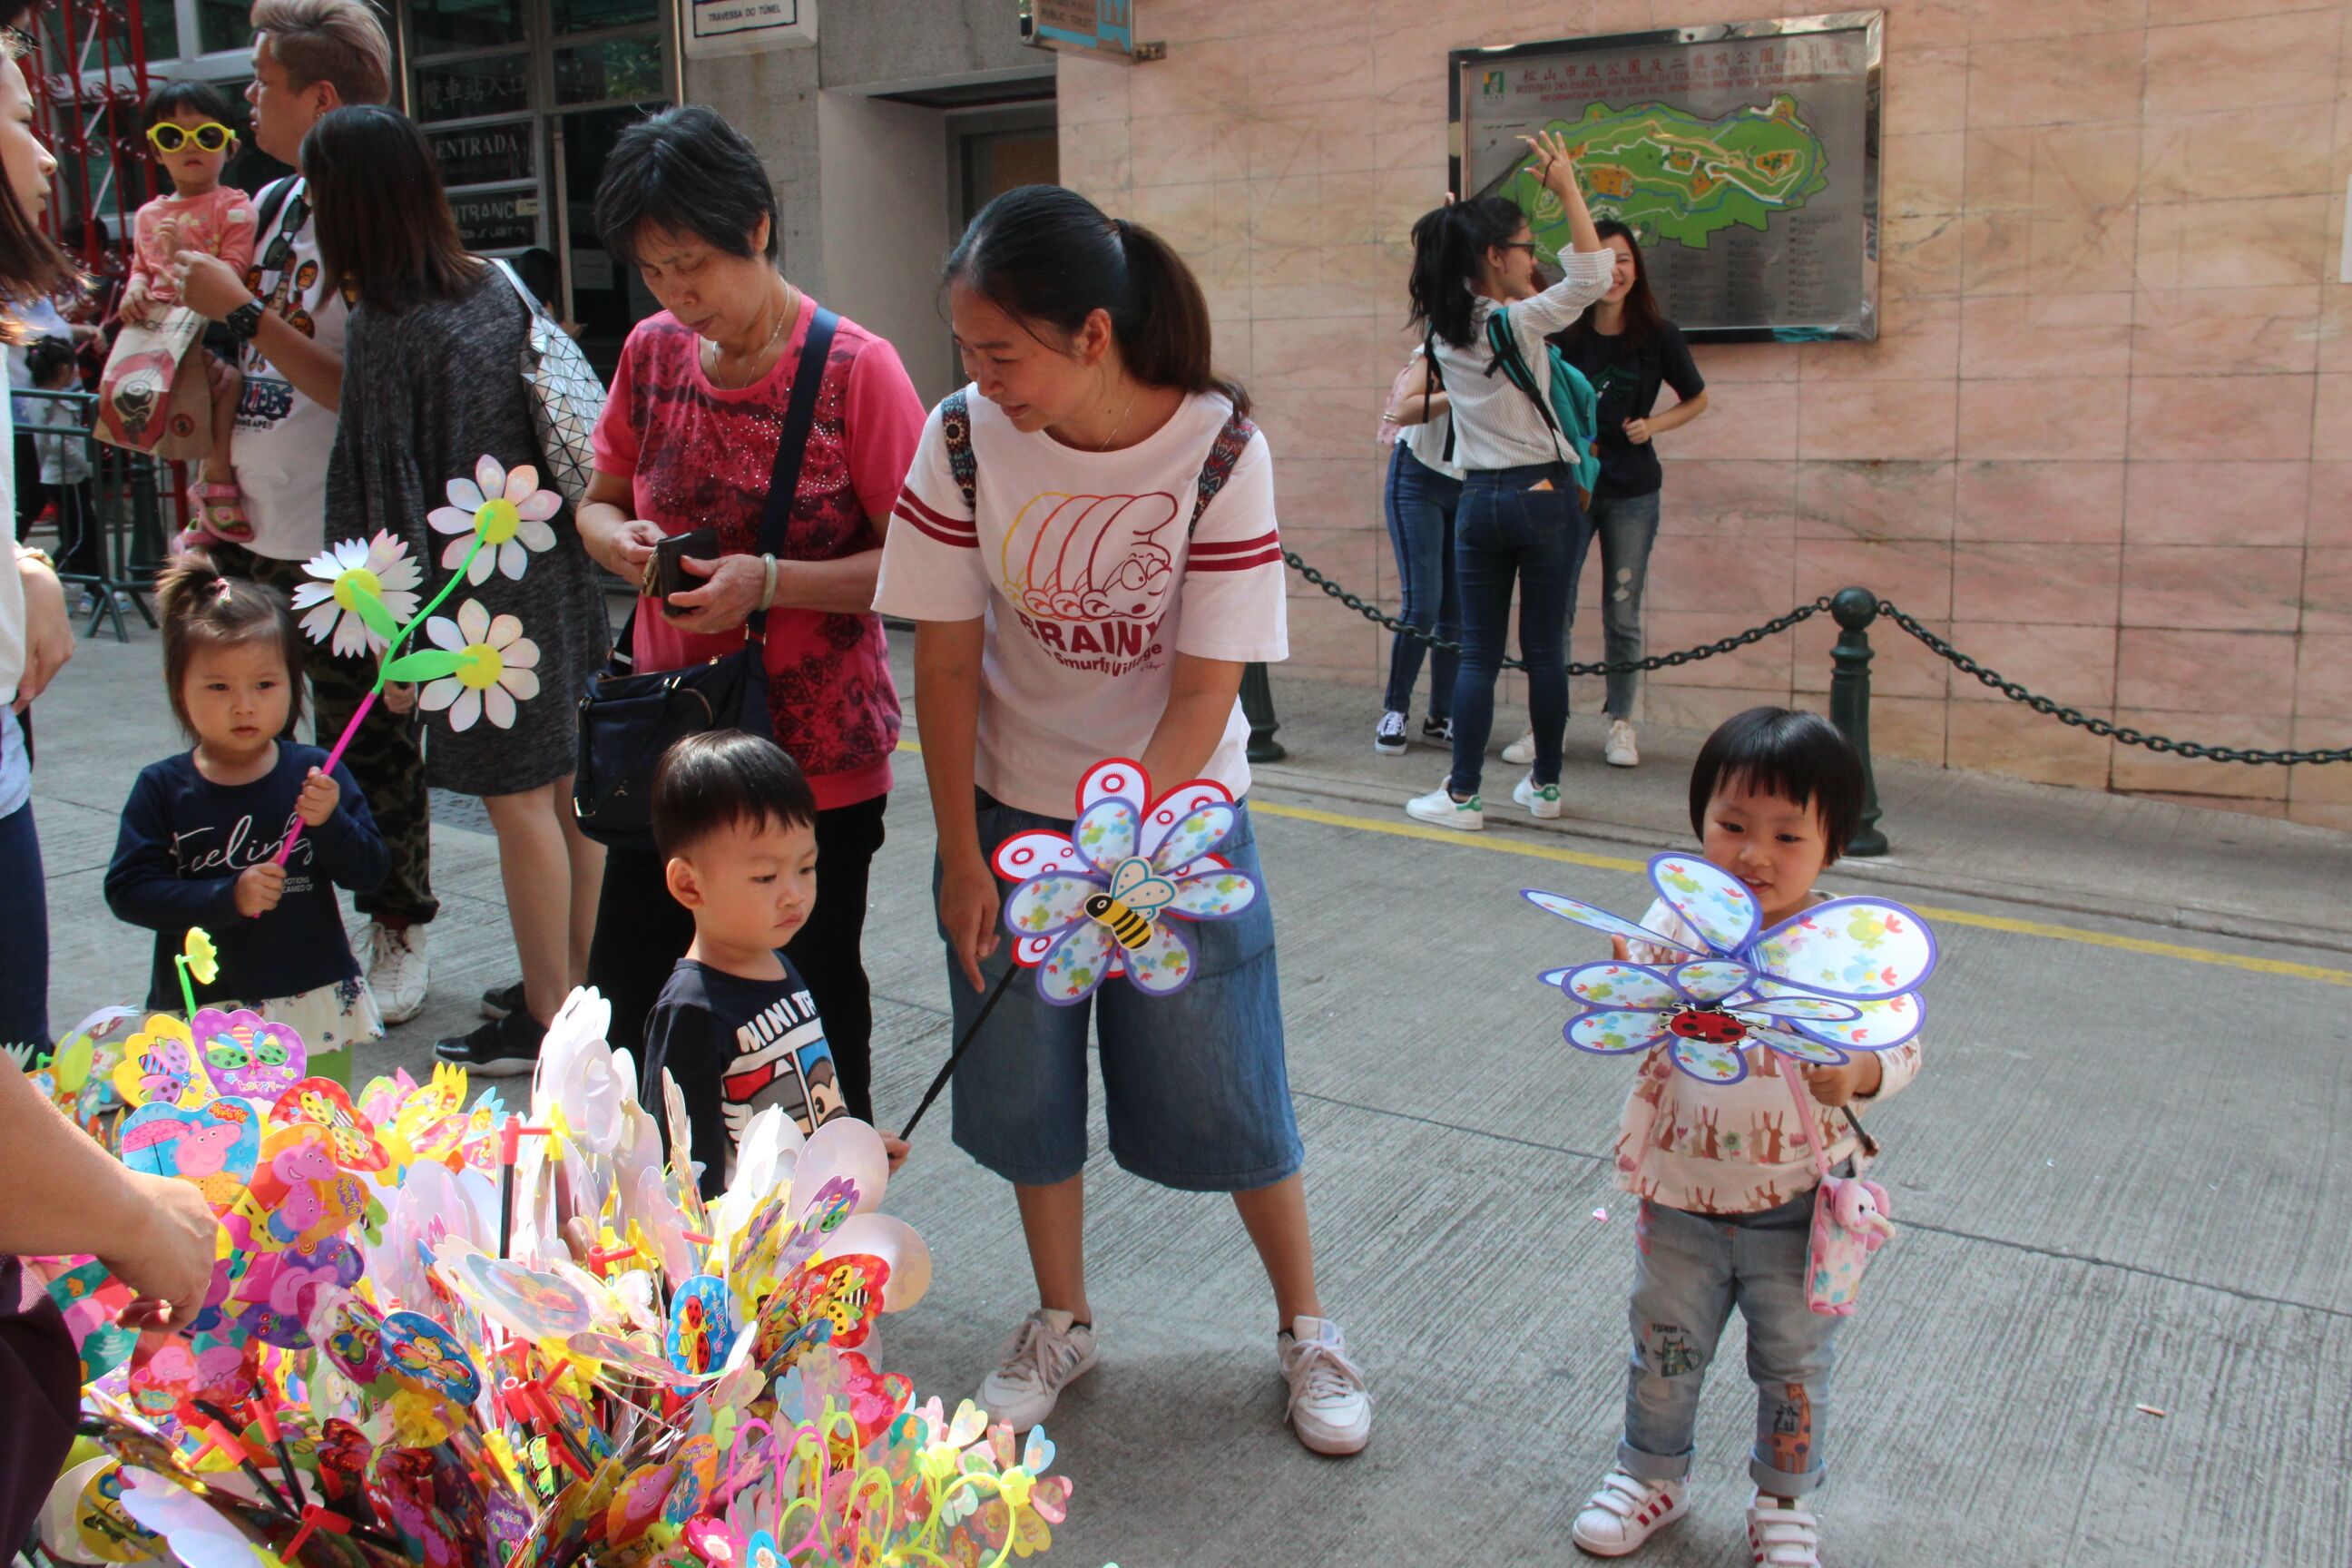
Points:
[(693, 1048), (1640, 430), (1586, 269), (351, 851), (947, 710), (68, 1195), (1420, 409), (1200, 704), (144, 885), (732, 584), (48, 630), (210, 288)]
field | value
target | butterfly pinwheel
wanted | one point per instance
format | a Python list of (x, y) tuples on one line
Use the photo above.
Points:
[(1096, 901), (1842, 976)]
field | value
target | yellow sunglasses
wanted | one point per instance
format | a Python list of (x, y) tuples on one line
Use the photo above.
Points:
[(170, 136)]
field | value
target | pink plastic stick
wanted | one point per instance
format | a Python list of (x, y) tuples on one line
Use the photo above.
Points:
[(333, 758)]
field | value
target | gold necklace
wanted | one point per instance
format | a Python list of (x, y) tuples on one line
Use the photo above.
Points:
[(1122, 420), (785, 316)]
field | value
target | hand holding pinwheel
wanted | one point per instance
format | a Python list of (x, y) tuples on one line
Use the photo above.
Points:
[(1838, 978)]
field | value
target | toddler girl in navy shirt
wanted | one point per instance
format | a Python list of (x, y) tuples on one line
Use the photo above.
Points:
[(202, 830)]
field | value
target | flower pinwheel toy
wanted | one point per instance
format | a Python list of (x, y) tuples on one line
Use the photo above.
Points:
[(363, 595), (1840, 977), (1097, 902), (1108, 898)]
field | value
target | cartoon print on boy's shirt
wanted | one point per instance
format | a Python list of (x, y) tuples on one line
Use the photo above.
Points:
[(782, 1059), (1088, 576)]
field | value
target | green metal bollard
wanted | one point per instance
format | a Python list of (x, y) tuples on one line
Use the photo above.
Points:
[(1854, 609), (1258, 706)]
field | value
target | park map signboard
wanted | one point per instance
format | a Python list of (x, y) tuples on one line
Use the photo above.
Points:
[(1745, 156)]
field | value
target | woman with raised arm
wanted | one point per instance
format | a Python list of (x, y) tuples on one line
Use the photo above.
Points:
[(1521, 518)]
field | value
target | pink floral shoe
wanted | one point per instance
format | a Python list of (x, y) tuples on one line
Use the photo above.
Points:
[(219, 510)]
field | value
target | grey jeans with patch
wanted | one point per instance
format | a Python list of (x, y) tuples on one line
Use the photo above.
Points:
[(1691, 1270), (1627, 526)]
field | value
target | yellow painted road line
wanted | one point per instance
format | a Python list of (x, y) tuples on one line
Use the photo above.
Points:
[(1507, 845)]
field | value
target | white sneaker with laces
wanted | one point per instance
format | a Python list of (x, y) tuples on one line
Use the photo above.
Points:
[(1330, 1408), (398, 970), (1541, 800), (1389, 737), (1522, 751), (1440, 807), (1050, 1351), (1626, 1512), (1620, 751), (1781, 1534)]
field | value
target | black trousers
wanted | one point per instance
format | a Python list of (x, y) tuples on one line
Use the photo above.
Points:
[(642, 933)]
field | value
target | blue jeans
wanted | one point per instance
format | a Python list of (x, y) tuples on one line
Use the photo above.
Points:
[(1420, 506), (24, 935), (1507, 531), (1689, 1271), (1628, 526), (1195, 1089)]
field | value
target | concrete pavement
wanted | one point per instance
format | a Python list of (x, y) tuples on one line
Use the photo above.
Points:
[(2121, 1179)]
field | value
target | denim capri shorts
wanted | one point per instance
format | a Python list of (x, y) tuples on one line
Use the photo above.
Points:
[(1194, 1087)]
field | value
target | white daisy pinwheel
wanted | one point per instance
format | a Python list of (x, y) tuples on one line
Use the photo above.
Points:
[(361, 593), (495, 667), (1838, 977), (499, 517)]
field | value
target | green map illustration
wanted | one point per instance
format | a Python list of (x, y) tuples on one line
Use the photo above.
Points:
[(1669, 175)]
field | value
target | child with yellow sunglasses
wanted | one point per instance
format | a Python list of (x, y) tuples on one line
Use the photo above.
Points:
[(187, 133)]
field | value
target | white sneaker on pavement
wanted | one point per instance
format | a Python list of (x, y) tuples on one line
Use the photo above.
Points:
[(1541, 800), (1782, 1534), (1389, 735), (1522, 751), (1619, 751), (1050, 1351), (1627, 1511), (1440, 807), (397, 970), (1330, 1408)]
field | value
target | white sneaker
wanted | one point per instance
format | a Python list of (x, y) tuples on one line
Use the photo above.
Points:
[(1440, 807), (1541, 800), (1522, 751), (397, 970), (1626, 1513), (1050, 1351), (1620, 751), (1782, 1535), (1330, 1408), (1388, 738)]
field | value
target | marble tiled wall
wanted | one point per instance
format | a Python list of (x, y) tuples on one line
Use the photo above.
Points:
[(2104, 441)]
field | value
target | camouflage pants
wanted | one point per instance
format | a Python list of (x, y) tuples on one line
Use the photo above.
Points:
[(386, 758)]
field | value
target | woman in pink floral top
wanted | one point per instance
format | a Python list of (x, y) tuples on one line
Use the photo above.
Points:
[(688, 440)]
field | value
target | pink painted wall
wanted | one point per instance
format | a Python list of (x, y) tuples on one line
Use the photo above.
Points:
[(2104, 441)]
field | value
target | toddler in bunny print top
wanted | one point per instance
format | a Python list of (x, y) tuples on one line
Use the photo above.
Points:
[(1725, 1176)]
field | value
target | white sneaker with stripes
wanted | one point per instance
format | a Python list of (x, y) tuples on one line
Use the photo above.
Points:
[(1627, 1511)]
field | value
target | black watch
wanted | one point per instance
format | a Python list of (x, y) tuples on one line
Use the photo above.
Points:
[(244, 321)]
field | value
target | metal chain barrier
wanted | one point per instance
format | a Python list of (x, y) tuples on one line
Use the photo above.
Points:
[(1886, 607), (1681, 657), (2096, 726)]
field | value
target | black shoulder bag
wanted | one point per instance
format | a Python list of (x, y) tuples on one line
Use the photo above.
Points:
[(627, 721)]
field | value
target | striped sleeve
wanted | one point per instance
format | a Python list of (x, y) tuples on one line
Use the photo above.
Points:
[(930, 561), (1235, 599)]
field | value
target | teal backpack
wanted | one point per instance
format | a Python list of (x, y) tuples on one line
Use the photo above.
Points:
[(1571, 413)]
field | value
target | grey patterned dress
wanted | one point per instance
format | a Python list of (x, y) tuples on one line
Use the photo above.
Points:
[(427, 392)]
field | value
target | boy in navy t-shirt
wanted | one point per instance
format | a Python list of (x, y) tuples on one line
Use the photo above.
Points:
[(736, 823)]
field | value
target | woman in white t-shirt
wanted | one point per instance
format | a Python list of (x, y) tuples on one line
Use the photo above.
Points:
[(1521, 520), (1087, 544)]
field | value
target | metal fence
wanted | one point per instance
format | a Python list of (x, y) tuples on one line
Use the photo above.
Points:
[(107, 529)]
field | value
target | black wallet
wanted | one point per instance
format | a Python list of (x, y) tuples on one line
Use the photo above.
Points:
[(666, 576)]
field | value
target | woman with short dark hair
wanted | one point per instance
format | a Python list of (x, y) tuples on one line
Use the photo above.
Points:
[(690, 440), (431, 387)]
